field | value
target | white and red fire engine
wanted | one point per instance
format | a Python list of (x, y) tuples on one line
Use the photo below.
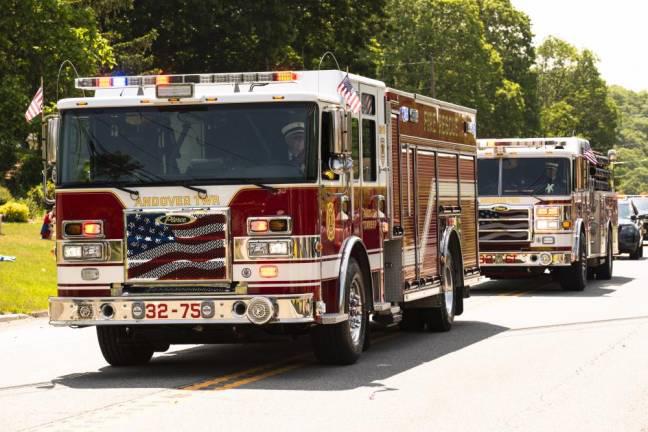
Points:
[(546, 203), (203, 208)]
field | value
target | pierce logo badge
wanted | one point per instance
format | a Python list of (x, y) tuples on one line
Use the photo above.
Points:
[(175, 219), (500, 208)]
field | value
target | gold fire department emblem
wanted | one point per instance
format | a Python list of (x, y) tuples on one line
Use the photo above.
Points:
[(330, 221)]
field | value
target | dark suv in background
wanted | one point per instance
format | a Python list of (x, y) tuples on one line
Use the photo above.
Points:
[(631, 229)]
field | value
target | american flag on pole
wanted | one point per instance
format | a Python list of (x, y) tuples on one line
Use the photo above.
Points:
[(588, 153), (346, 90), (36, 105)]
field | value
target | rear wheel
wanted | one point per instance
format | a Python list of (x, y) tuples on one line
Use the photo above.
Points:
[(119, 348), (604, 271), (575, 277), (638, 252), (343, 343), (440, 319)]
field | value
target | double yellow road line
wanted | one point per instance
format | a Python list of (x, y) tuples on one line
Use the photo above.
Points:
[(258, 373)]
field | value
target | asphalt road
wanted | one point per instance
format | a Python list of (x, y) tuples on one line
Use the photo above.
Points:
[(525, 356)]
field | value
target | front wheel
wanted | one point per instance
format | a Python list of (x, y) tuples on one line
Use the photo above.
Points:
[(604, 271), (342, 343), (119, 348), (638, 252), (574, 278)]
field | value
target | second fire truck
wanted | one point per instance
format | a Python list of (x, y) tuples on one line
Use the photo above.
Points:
[(546, 203), (203, 208)]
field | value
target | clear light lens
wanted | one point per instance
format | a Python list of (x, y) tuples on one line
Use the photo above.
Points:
[(257, 249), (119, 81), (547, 224), (72, 251), (279, 248), (174, 90), (92, 251)]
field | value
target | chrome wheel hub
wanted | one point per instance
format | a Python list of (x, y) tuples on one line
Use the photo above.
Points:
[(355, 310), (448, 289)]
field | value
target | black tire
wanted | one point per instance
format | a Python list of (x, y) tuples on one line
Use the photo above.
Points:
[(638, 252), (604, 271), (118, 350), (413, 320), (440, 319), (575, 278), (342, 343)]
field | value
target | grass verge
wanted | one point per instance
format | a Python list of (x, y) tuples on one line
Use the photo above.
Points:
[(26, 283)]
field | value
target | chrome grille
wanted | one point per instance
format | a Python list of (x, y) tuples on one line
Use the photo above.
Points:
[(504, 224)]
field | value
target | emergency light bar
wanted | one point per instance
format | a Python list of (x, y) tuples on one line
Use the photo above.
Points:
[(152, 80), (526, 143)]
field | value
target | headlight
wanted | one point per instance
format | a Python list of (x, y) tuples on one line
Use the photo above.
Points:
[(91, 251), (269, 248), (547, 224)]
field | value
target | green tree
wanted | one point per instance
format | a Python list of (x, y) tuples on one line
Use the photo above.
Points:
[(468, 70), (509, 31), (572, 93), (37, 35)]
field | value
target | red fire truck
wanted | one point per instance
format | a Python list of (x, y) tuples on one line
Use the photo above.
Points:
[(209, 207), (546, 204)]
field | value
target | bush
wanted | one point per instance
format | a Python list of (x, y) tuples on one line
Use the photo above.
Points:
[(35, 201), (5, 195), (14, 212)]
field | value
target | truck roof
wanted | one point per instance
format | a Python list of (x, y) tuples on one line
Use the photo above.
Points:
[(561, 146), (236, 87)]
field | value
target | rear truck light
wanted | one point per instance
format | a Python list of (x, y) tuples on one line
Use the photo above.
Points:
[(268, 271)]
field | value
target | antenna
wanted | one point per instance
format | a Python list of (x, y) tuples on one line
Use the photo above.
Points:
[(319, 68), (59, 76)]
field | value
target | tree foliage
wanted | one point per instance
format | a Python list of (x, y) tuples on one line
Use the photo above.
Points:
[(37, 35), (573, 95)]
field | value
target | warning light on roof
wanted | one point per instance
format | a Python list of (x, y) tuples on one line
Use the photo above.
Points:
[(162, 79), (285, 76), (105, 82)]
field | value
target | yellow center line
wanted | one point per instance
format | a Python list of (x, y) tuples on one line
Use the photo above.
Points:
[(258, 373)]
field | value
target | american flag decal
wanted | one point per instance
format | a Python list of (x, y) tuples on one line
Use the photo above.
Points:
[(196, 250)]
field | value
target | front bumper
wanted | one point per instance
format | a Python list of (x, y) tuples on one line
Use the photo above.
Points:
[(525, 259), (225, 309)]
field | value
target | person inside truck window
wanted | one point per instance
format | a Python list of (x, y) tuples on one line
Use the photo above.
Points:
[(294, 135), (551, 183)]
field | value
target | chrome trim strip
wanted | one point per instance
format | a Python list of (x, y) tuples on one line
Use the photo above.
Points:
[(63, 311), (332, 318)]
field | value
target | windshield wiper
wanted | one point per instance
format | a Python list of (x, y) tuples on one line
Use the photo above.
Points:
[(266, 187), (202, 193), (132, 192)]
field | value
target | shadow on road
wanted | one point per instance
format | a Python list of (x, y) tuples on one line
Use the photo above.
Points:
[(544, 286), (392, 352)]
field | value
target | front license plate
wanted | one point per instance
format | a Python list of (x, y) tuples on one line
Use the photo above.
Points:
[(172, 310)]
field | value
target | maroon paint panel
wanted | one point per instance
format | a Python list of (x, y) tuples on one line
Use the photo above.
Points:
[(83, 293), (300, 203), (103, 206)]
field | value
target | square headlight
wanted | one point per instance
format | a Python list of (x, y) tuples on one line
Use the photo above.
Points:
[(279, 247), (72, 251), (257, 249), (93, 251)]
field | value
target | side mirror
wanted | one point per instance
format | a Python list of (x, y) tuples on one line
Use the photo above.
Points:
[(612, 155), (341, 142), (51, 143), (340, 164), (633, 217)]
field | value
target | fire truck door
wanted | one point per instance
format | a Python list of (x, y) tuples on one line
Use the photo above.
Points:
[(373, 191)]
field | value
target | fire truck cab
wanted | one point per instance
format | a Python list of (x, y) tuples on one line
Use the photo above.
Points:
[(546, 203), (203, 208)]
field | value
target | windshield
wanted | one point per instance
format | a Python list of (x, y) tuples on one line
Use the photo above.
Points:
[(248, 143), (642, 204), (524, 176), (624, 210)]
